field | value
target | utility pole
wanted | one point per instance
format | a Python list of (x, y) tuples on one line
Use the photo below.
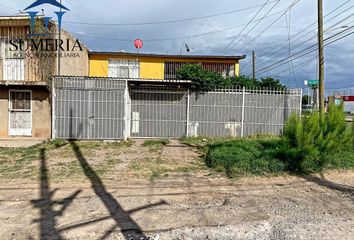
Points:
[(254, 64), (321, 56)]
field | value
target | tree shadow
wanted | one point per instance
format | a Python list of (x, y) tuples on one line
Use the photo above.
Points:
[(321, 181), (48, 215), (123, 220)]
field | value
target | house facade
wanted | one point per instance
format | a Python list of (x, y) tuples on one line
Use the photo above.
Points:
[(155, 66), (27, 65)]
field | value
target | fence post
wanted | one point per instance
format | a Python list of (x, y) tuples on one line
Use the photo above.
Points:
[(300, 102), (188, 109), (243, 111), (53, 108), (127, 112)]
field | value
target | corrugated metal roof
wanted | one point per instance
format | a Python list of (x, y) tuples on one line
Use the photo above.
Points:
[(169, 56)]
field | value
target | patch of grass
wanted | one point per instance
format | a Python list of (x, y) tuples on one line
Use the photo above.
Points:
[(153, 143), (245, 156), (157, 167), (106, 167), (120, 144), (156, 145)]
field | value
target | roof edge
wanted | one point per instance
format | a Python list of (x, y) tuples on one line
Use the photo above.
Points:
[(240, 57)]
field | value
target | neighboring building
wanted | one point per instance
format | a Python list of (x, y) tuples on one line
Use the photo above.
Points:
[(26, 73), (349, 104), (154, 66)]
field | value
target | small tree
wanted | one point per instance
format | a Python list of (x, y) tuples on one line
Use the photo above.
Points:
[(204, 80)]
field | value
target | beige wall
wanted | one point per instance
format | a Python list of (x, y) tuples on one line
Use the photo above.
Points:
[(4, 117), (41, 112), (74, 66)]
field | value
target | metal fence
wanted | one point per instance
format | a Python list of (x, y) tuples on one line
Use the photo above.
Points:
[(112, 109)]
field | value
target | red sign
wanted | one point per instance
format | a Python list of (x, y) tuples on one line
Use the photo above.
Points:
[(348, 98), (138, 43)]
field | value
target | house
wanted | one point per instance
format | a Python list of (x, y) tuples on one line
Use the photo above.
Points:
[(27, 65), (156, 66)]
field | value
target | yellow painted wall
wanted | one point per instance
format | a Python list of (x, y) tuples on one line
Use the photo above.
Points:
[(98, 68), (237, 69), (151, 68)]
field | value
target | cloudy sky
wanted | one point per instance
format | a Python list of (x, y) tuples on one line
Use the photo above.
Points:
[(230, 27)]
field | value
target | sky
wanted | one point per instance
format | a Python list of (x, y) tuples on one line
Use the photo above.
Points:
[(227, 27)]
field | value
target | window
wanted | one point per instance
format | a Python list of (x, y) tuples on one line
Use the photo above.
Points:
[(123, 68), (13, 62), (226, 69), (172, 67)]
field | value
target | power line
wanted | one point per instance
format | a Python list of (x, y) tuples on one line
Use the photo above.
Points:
[(280, 46), (176, 38), (169, 21), (297, 66), (236, 36), (244, 36), (276, 20), (300, 54), (275, 55), (280, 63)]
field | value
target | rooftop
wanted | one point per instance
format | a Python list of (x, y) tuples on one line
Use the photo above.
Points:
[(169, 56)]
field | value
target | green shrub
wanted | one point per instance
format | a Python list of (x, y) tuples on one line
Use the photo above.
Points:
[(312, 144), (311, 140)]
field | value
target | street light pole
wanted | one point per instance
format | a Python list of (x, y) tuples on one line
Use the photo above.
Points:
[(321, 56)]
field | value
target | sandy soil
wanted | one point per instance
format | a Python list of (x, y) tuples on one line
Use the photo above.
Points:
[(167, 194)]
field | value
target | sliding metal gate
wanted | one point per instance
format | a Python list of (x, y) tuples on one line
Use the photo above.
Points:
[(158, 112), (89, 108)]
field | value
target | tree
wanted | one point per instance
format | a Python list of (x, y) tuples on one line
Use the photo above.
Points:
[(204, 80)]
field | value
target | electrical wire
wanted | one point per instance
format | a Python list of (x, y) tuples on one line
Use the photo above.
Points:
[(281, 45), (302, 53), (275, 56), (176, 38), (236, 36), (276, 20), (170, 21), (264, 16)]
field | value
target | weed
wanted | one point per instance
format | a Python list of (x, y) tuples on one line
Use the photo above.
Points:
[(159, 142)]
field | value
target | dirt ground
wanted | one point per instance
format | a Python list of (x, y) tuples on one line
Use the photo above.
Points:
[(131, 191)]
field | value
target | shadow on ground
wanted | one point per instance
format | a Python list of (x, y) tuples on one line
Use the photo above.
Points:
[(322, 181), (48, 216)]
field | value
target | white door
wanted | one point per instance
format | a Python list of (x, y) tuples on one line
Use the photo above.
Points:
[(20, 113)]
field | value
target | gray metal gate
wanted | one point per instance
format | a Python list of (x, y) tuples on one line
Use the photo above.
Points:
[(158, 113), (89, 108)]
